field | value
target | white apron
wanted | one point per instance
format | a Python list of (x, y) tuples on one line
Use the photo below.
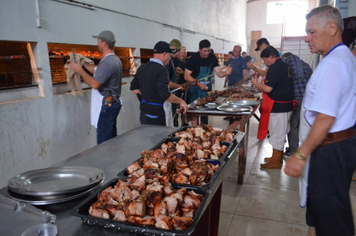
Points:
[(95, 107), (304, 129), (167, 107)]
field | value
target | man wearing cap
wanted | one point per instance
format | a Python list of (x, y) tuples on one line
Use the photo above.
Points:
[(151, 85), (199, 70), (175, 44), (261, 44), (173, 70), (106, 87)]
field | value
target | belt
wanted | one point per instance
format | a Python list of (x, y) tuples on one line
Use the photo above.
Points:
[(108, 101), (143, 101), (339, 136)]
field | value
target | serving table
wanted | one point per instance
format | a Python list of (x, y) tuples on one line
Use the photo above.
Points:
[(116, 154), (238, 120)]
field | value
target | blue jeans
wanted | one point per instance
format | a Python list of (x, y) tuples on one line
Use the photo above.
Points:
[(107, 122)]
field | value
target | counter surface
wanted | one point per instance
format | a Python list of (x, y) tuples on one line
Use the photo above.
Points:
[(111, 156)]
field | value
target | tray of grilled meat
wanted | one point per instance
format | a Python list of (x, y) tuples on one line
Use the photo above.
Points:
[(155, 208), (181, 162)]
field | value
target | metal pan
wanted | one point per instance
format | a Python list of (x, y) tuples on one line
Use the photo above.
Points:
[(37, 201), (82, 211), (234, 108), (244, 102), (55, 181)]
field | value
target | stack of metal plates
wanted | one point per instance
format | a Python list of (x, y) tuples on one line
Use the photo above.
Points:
[(54, 185)]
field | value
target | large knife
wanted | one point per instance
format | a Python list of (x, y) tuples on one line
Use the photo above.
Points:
[(192, 83), (75, 59)]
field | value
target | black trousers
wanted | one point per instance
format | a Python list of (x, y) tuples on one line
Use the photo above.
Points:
[(160, 120), (330, 174)]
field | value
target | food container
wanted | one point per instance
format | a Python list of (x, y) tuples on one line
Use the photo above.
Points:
[(18, 216), (82, 211), (41, 230)]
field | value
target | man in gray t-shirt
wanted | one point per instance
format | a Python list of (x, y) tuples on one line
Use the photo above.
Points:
[(107, 81)]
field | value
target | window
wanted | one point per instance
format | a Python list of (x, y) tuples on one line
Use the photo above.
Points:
[(290, 13)]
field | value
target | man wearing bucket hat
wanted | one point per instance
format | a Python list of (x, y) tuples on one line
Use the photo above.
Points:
[(151, 85), (106, 87)]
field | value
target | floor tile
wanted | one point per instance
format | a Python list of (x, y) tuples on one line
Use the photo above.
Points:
[(250, 226), (225, 222), (271, 204)]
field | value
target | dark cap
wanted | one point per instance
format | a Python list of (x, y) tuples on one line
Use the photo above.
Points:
[(260, 42), (106, 35), (176, 43), (162, 47)]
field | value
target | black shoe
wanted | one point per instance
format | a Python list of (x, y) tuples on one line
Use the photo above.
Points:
[(226, 118)]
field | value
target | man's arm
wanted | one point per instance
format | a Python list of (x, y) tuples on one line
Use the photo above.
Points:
[(87, 78), (90, 68), (244, 72), (173, 85), (226, 80), (188, 77), (257, 70), (177, 100), (220, 73), (262, 87)]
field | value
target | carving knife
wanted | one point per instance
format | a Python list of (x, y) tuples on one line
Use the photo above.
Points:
[(192, 82), (75, 59)]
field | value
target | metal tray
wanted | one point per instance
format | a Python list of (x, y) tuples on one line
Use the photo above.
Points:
[(82, 211), (244, 102), (197, 107), (17, 216), (234, 108), (55, 181), (38, 201), (220, 161)]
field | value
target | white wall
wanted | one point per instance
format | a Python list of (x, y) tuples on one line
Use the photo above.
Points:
[(39, 132)]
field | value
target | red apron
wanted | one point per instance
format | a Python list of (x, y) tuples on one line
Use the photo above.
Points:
[(265, 110)]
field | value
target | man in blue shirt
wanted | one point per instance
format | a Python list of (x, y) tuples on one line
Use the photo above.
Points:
[(239, 68)]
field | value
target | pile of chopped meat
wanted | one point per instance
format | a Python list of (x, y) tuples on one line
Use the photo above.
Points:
[(240, 93), (153, 203), (184, 162), (205, 132)]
